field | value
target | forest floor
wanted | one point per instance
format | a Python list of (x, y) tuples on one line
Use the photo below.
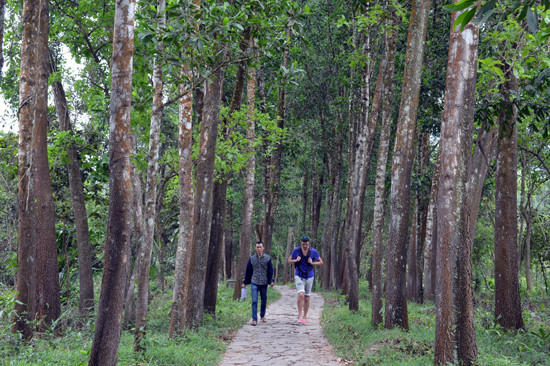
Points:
[(282, 340)]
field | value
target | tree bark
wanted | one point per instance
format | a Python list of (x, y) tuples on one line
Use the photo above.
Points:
[(107, 333), (143, 260), (273, 168), (396, 303), (287, 270), (136, 239), (228, 242), (454, 265), (220, 192), (26, 284), (430, 248), (195, 273), (48, 307), (245, 240), (76, 186), (2, 12), (383, 148), (186, 227), (507, 298)]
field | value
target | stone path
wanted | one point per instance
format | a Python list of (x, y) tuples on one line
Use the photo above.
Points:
[(283, 340)]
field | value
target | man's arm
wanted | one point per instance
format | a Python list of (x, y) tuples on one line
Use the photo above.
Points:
[(248, 274), (270, 273)]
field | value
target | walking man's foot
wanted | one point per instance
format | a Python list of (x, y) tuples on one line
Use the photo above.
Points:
[(253, 323), (264, 320)]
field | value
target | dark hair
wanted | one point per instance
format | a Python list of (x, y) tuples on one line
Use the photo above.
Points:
[(305, 238), (259, 242)]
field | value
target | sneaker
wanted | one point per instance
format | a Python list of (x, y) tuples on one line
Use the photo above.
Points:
[(299, 320), (303, 321)]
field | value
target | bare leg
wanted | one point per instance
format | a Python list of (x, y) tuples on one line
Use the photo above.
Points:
[(301, 304), (306, 306)]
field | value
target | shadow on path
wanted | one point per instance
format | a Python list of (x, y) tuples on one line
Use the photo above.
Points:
[(283, 340)]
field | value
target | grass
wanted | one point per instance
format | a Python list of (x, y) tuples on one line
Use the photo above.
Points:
[(354, 339), (203, 347)]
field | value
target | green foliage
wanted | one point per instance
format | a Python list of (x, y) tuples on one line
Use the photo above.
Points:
[(232, 152), (354, 339), (204, 347)]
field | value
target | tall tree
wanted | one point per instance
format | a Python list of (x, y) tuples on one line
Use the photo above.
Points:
[(195, 273), (48, 307), (273, 162), (107, 333), (430, 247), (76, 186), (245, 241), (507, 298), (454, 271), (143, 260), (215, 247), (396, 303), (41, 253), (383, 148), (186, 193), (2, 12)]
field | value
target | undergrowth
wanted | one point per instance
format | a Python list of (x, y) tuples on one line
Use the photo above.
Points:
[(355, 340), (69, 344)]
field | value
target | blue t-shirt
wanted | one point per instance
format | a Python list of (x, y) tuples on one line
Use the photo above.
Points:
[(303, 268)]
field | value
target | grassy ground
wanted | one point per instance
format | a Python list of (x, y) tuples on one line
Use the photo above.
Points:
[(355, 340), (204, 347)]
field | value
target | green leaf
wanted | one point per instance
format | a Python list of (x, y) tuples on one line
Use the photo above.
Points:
[(464, 18), (458, 6), (485, 12), (523, 13), (532, 20)]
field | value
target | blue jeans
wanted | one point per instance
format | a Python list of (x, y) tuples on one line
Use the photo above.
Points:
[(263, 294)]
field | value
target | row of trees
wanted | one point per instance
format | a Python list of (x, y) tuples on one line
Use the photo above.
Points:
[(172, 104)]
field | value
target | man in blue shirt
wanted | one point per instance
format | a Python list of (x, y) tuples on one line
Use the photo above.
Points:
[(304, 258), (259, 273)]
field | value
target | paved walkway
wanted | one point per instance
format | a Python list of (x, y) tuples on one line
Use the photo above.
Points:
[(282, 340)]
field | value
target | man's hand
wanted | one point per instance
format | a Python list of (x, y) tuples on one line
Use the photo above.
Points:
[(243, 285), (310, 261), (272, 283), (298, 259)]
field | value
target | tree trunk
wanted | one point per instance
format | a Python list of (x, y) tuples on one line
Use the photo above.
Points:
[(48, 307), (507, 298), (273, 169), (248, 207), (107, 333), (430, 248), (454, 265), (198, 251), (26, 284), (228, 239), (528, 277), (305, 187), (380, 195), (220, 193), (2, 12), (136, 239), (76, 186), (186, 228), (396, 303), (358, 177), (143, 260), (287, 270)]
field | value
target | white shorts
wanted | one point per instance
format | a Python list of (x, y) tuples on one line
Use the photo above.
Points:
[(303, 284)]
